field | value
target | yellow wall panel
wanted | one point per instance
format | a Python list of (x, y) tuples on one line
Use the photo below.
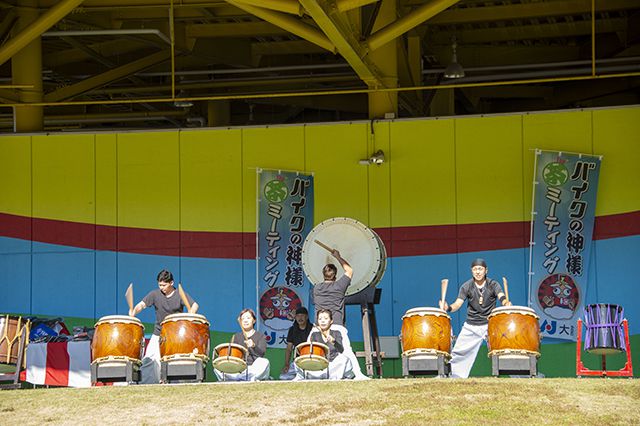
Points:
[(106, 179), (332, 153), (616, 136), (379, 177), (211, 180), (279, 148), (64, 177), (489, 169), (558, 131), (15, 180), (148, 180), (422, 173)]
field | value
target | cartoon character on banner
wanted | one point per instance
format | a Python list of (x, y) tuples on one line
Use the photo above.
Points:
[(558, 296), (278, 307)]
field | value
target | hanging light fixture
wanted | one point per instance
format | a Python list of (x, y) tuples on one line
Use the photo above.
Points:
[(454, 69)]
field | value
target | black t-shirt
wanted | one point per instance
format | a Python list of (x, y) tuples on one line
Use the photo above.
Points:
[(259, 345), (477, 314), (164, 305), (295, 336), (335, 348), (330, 295)]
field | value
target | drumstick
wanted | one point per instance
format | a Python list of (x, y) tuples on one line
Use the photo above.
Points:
[(129, 296), (183, 296), (506, 289), (443, 289), (323, 245)]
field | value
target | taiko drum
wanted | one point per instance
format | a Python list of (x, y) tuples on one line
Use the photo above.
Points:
[(514, 329), (11, 328), (117, 336), (312, 356), (184, 334), (229, 358), (426, 331)]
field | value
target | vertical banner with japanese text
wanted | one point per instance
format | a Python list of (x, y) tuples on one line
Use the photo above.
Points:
[(285, 217), (565, 187)]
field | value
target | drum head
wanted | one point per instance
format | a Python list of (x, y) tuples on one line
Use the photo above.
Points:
[(229, 364), (523, 310), (425, 311), (357, 244), (122, 319), (186, 317), (311, 362)]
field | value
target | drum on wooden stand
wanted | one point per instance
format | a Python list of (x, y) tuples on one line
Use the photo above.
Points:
[(360, 245), (426, 331), (514, 330), (312, 356), (604, 334), (14, 331), (184, 335), (118, 337), (230, 358)]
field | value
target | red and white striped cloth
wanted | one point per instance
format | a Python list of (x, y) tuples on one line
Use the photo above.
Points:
[(59, 364)]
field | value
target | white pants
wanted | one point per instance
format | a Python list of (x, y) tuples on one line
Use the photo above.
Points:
[(257, 371), (339, 368), (466, 349), (150, 368), (348, 352), (290, 374)]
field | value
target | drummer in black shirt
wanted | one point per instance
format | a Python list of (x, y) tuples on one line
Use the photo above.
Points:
[(298, 333)]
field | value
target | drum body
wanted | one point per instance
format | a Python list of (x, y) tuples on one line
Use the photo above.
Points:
[(361, 246), (11, 328), (184, 335), (514, 330), (604, 334), (230, 358), (426, 331), (117, 336), (312, 356)]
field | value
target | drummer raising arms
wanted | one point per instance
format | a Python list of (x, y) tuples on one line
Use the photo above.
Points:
[(482, 293), (166, 300), (256, 344), (330, 295)]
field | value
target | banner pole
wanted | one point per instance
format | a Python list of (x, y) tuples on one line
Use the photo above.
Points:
[(533, 216)]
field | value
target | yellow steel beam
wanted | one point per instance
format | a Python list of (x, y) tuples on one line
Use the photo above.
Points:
[(527, 11), (338, 31), (241, 29), (107, 77), (33, 31), (344, 5), (288, 23), (407, 22), (287, 6)]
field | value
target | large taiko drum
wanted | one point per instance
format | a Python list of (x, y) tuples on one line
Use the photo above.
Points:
[(230, 358), (118, 337), (11, 335), (361, 246), (312, 356), (514, 330), (604, 334), (184, 335), (426, 331)]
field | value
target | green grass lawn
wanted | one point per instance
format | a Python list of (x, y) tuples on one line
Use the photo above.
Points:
[(497, 401)]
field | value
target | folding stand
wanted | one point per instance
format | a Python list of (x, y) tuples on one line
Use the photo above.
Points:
[(115, 369), (426, 364), (14, 378), (514, 363), (182, 369), (581, 370)]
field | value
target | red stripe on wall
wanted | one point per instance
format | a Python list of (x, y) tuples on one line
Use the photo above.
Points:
[(399, 241), (57, 371)]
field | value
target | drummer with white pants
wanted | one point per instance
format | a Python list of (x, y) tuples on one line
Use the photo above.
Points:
[(166, 301), (258, 366), (330, 294), (482, 293), (339, 365)]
